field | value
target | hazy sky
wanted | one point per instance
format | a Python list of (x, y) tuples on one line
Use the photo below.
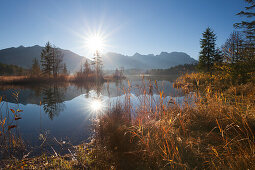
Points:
[(142, 26)]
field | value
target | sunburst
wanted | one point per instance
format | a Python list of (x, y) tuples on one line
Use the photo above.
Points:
[(95, 42)]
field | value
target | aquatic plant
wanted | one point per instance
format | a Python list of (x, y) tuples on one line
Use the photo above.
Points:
[(214, 131), (10, 140)]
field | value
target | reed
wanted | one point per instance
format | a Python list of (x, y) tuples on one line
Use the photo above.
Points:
[(214, 130), (11, 143), (28, 80)]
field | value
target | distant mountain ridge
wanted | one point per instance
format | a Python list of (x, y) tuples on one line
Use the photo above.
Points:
[(23, 57), (162, 61)]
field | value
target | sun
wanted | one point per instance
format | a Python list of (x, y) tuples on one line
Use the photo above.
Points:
[(95, 42)]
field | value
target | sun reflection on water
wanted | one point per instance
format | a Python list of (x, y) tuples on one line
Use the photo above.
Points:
[(97, 105)]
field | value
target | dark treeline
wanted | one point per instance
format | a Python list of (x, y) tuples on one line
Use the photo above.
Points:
[(235, 59), (6, 69), (176, 70)]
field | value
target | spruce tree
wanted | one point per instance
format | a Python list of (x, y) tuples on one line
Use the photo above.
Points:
[(57, 58), (218, 58), (86, 68), (98, 64), (46, 59), (208, 51), (248, 25), (51, 59), (65, 72), (35, 68)]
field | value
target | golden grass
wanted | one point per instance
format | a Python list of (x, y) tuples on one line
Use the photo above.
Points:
[(42, 162), (10, 142), (28, 80), (213, 130), (11, 78)]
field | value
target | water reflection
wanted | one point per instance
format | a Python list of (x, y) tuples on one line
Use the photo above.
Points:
[(66, 109), (52, 101), (97, 105)]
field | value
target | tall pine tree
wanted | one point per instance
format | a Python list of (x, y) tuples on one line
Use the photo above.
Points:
[(46, 59), (51, 59), (98, 64), (208, 51), (57, 58)]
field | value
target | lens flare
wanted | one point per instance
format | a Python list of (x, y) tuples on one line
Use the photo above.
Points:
[(97, 105), (95, 43)]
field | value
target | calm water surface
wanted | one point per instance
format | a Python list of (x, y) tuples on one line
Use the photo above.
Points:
[(64, 111)]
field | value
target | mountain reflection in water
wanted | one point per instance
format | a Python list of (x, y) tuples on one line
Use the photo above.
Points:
[(64, 111)]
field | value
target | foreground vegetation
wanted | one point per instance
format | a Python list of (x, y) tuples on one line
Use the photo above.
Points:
[(212, 128)]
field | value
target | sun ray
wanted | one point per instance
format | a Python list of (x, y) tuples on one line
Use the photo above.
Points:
[(97, 105), (88, 30), (95, 42)]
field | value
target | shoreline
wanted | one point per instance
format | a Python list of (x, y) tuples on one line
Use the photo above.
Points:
[(22, 80)]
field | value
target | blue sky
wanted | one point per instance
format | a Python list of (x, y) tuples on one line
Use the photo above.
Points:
[(143, 26)]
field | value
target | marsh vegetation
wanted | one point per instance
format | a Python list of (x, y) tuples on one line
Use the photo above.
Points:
[(208, 128), (204, 119)]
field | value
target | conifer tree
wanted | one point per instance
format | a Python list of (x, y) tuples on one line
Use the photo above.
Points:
[(46, 59), (86, 68), (57, 58), (65, 71), (248, 26), (208, 51), (51, 59), (218, 58), (35, 68), (98, 64)]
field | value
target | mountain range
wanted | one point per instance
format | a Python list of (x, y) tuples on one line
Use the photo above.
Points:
[(23, 56), (138, 61)]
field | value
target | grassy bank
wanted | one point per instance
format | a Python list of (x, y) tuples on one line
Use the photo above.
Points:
[(212, 129), (22, 80), (26, 80), (215, 130)]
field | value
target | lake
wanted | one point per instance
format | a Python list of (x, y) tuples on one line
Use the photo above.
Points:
[(63, 113)]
